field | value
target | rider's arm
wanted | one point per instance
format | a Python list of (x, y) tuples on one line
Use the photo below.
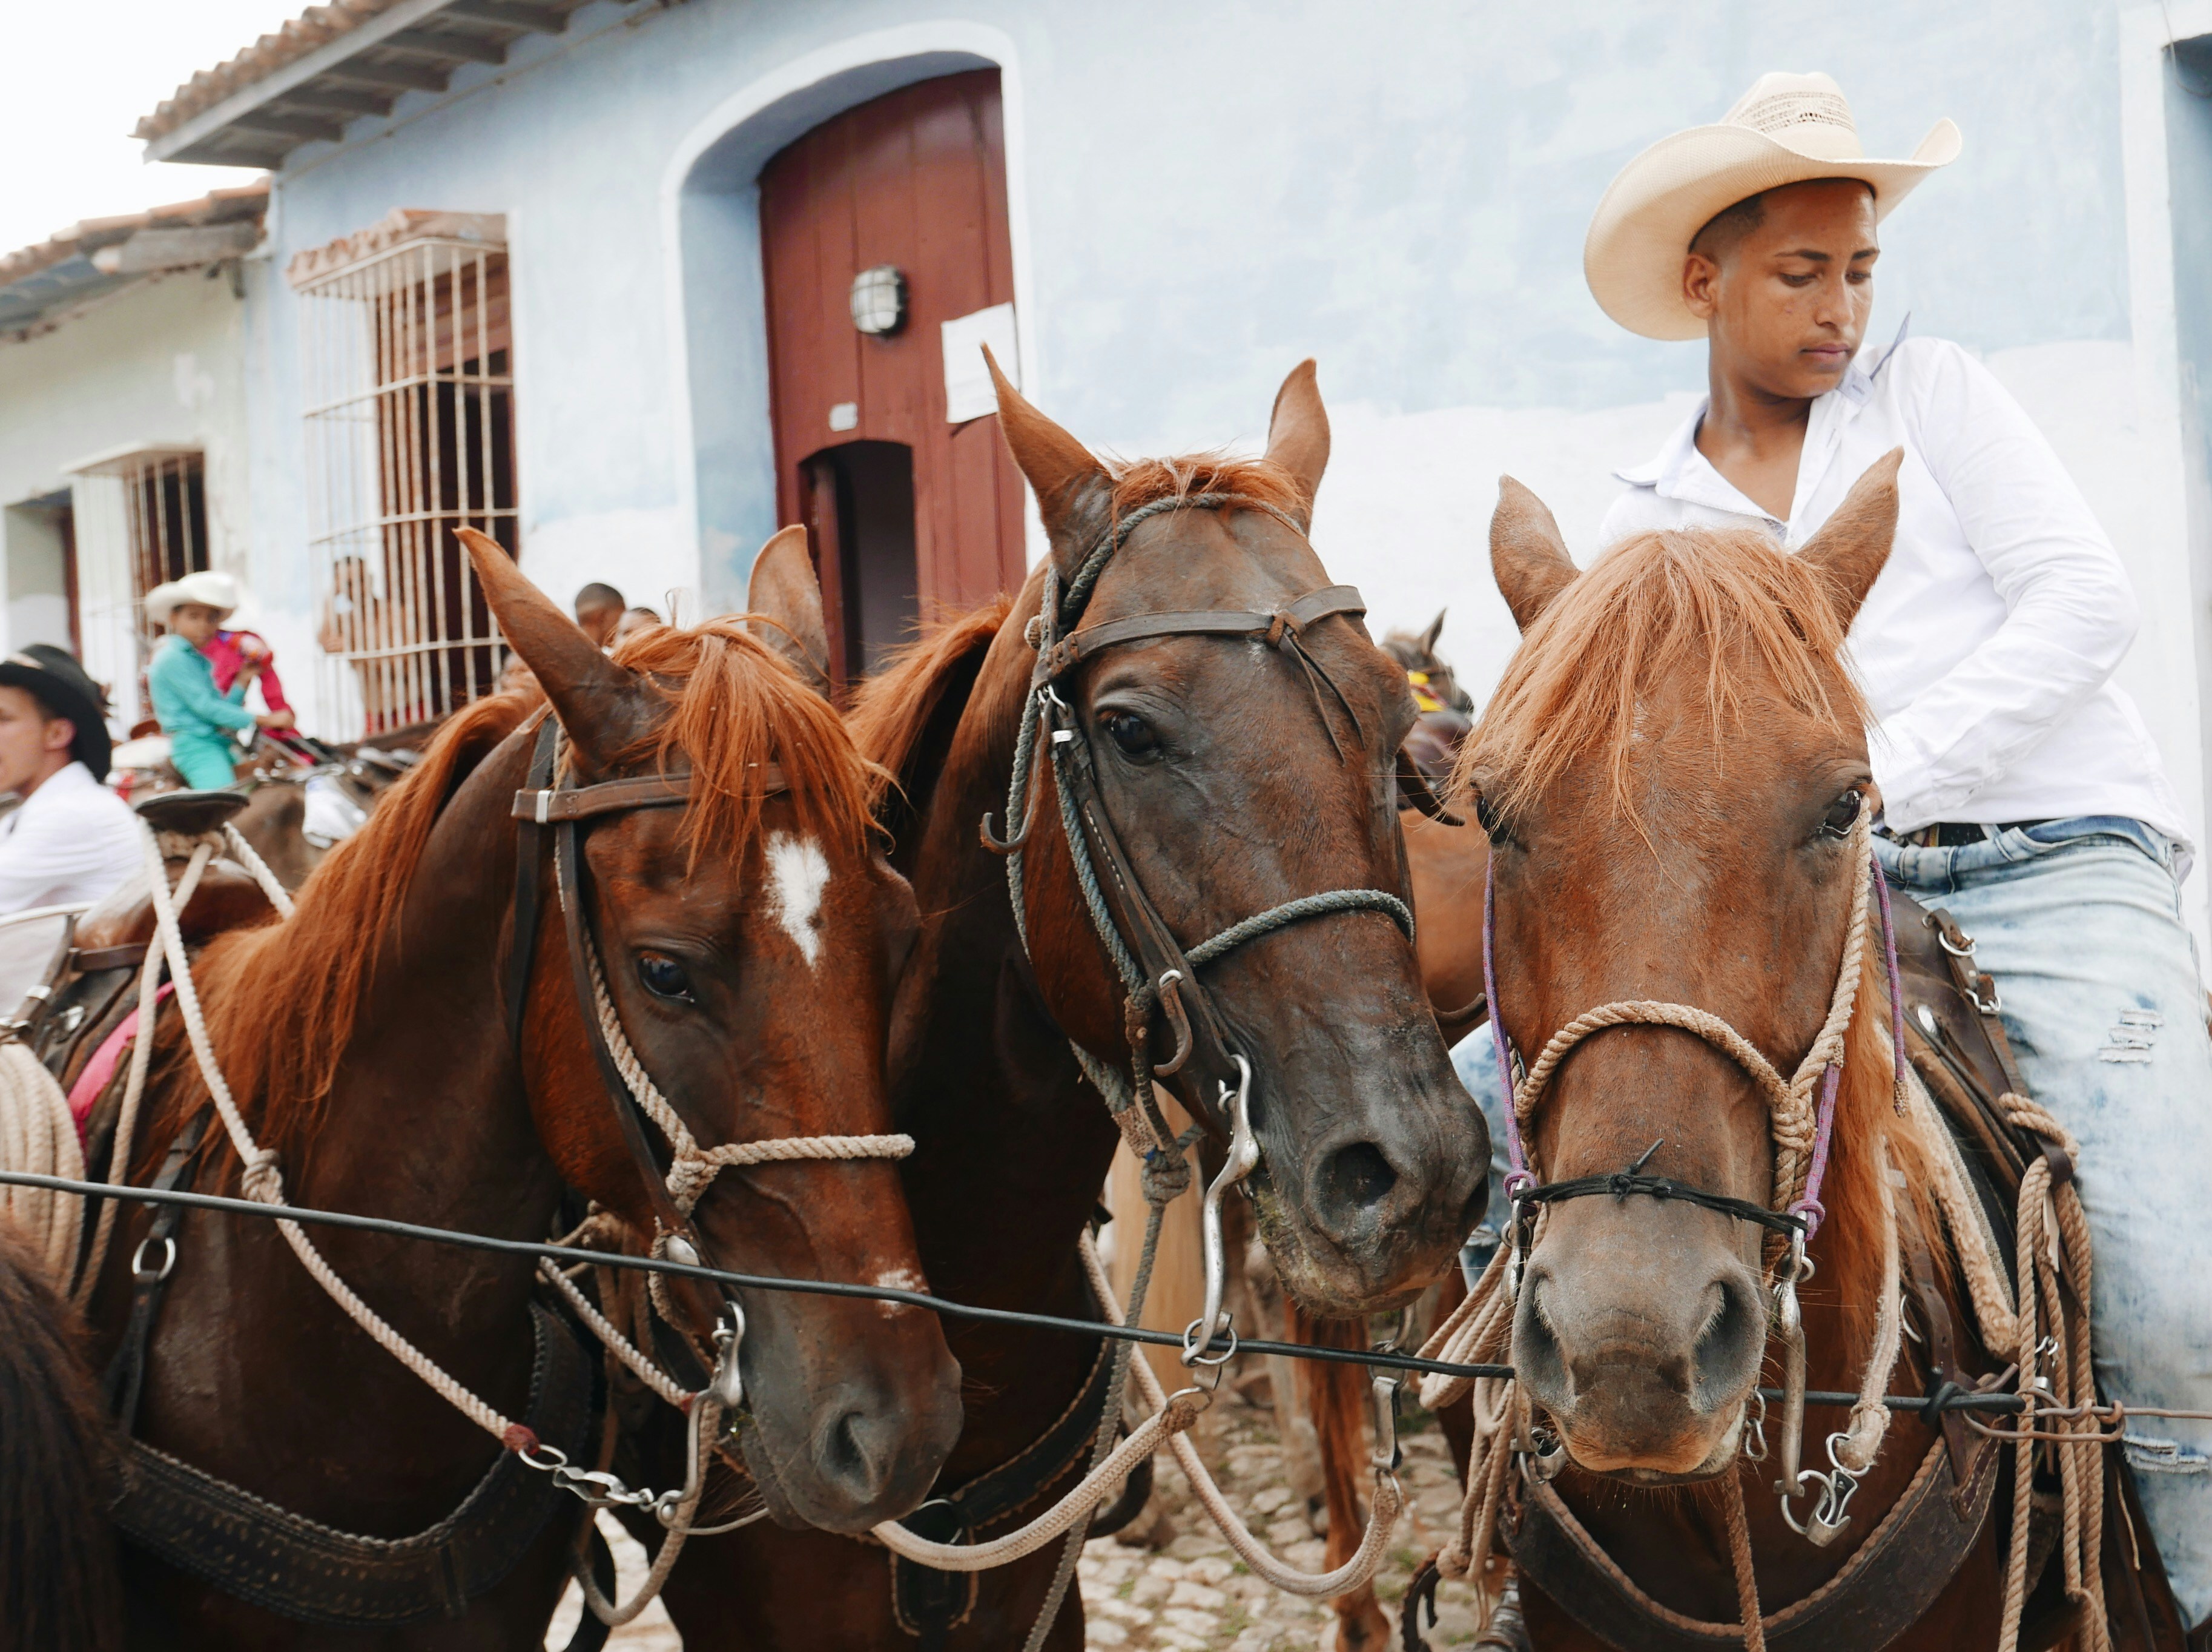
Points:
[(186, 685), (2069, 611)]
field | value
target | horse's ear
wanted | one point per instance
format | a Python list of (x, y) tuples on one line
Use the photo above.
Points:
[(1297, 430), (600, 703), (1074, 495), (1527, 554), (1852, 545), (1436, 630), (782, 588)]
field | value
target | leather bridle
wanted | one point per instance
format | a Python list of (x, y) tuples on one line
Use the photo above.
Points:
[(1159, 972)]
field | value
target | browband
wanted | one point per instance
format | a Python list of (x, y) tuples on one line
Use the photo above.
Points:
[(1293, 618), (543, 805)]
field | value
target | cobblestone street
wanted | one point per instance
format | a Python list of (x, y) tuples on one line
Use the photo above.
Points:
[(1181, 1587)]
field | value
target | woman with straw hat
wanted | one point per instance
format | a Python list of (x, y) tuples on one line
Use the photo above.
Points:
[(2019, 785)]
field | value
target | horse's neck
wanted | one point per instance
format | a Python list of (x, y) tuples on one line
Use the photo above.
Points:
[(425, 1122), (1011, 1147)]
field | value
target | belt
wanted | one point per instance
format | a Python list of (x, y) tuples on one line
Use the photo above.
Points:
[(1954, 834)]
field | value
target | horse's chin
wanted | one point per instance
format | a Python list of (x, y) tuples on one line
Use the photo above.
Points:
[(1719, 1459), (761, 1463), (1329, 1287)]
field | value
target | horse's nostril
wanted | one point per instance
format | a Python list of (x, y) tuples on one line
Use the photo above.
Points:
[(1729, 1347), (1359, 1175), (846, 1458)]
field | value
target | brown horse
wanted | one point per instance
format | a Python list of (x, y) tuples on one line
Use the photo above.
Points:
[(751, 941), (1234, 788), (1669, 775)]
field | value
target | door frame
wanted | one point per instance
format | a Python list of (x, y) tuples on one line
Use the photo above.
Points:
[(710, 223)]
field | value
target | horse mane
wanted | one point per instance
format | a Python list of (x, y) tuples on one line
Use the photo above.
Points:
[(1729, 599), (735, 705), (1141, 481), (1850, 1272), (283, 1000), (893, 710), (280, 998)]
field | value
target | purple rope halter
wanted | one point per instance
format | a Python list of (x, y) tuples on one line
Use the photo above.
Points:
[(1518, 1176)]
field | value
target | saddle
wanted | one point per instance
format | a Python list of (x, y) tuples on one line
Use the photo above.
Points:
[(1957, 1044)]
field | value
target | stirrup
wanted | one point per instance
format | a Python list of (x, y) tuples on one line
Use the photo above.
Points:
[(1509, 1630)]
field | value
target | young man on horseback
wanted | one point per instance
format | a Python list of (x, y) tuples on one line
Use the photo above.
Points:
[(2019, 786)]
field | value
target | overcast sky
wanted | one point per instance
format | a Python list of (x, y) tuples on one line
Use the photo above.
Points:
[(77, 77)]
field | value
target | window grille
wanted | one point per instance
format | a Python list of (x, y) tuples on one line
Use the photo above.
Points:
[(408, 362), (141, 520)]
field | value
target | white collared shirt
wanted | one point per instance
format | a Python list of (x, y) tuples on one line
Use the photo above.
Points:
[(72, 840), (1987, 645)]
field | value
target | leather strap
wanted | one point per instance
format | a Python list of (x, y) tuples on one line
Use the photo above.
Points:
[(528, 855), (1943, 1338), (257, 1552), (543, 805), (126, 1377), (568, 847), (1889, 1582), (85, 960), (1079, 646), (1201, 1046), (928, 1603)]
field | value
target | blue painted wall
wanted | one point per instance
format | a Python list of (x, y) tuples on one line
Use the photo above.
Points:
[(1212, 191)]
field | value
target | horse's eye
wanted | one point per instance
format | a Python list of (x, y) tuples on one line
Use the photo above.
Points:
[(663, 977), (1130, 731), (1487, 818), (1843, 814)]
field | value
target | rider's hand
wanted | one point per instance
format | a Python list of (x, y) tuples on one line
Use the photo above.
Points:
[(276, 719)]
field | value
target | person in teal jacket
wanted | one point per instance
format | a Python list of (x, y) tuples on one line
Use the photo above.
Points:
[(200, 721)]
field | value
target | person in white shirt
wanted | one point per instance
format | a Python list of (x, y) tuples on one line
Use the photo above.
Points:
[(2019, 785), (71, 840)]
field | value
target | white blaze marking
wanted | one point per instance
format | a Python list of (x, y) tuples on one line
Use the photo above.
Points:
[(897, 1279), (798, 874)]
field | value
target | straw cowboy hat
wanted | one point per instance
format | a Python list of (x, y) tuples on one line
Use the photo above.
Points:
[(1788, 129), (207, 588)]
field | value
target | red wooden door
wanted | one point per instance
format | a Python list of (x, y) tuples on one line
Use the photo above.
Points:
[(917, 180)]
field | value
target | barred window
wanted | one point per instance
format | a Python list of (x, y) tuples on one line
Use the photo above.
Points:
[(408, 362), (140, 517)]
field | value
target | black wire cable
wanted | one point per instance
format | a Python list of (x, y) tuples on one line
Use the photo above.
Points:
[(1096, 1329)]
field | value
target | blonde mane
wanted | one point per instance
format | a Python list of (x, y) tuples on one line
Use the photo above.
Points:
[(1755, 618)]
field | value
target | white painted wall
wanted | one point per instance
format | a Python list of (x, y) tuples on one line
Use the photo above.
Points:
[(159, 364)]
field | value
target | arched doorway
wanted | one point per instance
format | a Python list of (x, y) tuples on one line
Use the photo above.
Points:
[(912, 503)]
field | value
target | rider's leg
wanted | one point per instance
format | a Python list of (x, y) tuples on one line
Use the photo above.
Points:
[(2106, 1010), (1476, 1058), (206, 764)]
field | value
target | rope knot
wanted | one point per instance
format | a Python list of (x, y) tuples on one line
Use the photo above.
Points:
[(263, 1181), (1183, 1408), (1166, 1175), (518, 1439)]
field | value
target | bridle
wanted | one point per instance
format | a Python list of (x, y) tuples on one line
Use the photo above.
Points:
[(1802, 1126), (1159, 974), (551, 817)]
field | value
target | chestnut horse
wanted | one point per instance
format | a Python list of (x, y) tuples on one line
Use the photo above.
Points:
[(1671, 775), (750, 942), (1233, 788)]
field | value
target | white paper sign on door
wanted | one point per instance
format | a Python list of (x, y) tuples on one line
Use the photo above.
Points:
[(968, 391)]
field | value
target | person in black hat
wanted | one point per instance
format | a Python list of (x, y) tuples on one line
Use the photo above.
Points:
[(71, 840)]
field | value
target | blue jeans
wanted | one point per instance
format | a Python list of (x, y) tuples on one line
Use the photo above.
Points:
[(2079, 921)]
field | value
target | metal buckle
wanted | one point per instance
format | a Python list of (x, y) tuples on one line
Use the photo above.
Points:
[(138, 1268), (1754, 1430)]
